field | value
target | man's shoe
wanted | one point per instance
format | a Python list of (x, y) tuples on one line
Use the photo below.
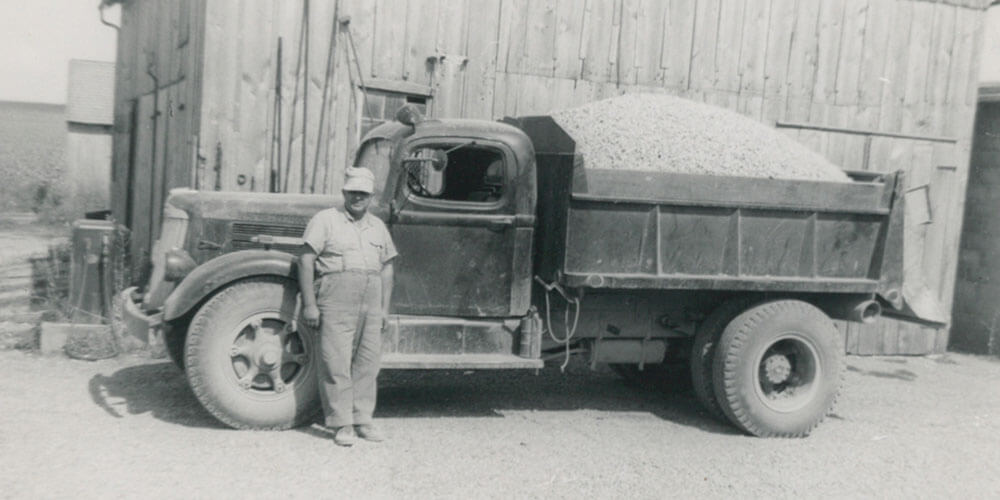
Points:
[(369, 432), (344, 436)]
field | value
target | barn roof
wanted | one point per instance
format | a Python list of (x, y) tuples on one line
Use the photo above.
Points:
[(90, 98)]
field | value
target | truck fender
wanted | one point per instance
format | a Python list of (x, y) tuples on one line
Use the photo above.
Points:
[(222, 270)]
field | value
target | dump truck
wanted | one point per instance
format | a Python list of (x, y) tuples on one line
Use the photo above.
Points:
[(514, 252)]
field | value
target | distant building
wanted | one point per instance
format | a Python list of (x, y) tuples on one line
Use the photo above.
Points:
[(89, 120)]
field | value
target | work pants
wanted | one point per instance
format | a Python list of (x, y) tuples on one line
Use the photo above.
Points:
[(350, 341)]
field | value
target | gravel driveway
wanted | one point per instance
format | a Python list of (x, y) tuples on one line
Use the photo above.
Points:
[(130, 427)]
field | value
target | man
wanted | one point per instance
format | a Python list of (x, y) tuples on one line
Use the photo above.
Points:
[(351, 252)]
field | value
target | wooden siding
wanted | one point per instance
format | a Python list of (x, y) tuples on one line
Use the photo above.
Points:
[(88, 166), (157, 97), (888, 65)]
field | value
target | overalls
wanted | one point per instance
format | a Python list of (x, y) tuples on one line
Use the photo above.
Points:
[(350, 256)]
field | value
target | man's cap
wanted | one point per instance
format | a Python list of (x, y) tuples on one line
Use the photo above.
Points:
[(359, 179)]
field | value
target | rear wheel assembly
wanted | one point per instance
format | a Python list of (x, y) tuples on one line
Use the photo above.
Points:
[(777, 369), (703, 351)]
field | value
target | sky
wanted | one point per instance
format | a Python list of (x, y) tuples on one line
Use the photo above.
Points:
[(39, 37)]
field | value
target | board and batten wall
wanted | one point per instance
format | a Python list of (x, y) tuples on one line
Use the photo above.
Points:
[(900, 66)]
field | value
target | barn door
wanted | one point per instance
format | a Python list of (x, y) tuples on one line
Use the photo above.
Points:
[(140, 206)]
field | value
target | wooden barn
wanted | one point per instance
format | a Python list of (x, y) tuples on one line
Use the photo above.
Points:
[(217, 94), (89, 120)]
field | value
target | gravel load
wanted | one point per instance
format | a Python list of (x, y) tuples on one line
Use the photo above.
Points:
[(666, 133)]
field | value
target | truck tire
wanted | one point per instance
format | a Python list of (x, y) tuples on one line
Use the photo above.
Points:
[(174, 335), (703, 351), (245, 361), (777, 369)]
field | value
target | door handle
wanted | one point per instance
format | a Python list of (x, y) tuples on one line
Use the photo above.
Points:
[(500, 224)]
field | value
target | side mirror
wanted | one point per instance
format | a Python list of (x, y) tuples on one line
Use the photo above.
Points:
[(425, 172), (439, 160)]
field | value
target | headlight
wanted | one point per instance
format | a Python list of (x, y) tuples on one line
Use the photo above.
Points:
[(177, 264)]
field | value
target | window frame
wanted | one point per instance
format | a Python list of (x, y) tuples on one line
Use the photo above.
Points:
[(506, 197)]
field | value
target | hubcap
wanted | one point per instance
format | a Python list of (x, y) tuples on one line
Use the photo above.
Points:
[(777, 367), (268, 355), (788, 373)]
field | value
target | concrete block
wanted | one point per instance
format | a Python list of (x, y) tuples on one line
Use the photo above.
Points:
[(53, 336)]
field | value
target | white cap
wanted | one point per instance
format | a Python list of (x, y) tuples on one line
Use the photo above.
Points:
[(359, 179)]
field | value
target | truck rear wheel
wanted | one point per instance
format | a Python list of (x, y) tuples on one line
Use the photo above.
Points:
[(777, 369), (703, 351), (247, 363)]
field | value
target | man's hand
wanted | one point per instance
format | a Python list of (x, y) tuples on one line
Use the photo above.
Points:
[(310, 316)]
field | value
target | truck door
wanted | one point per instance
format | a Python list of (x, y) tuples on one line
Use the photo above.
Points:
[(455, 224)]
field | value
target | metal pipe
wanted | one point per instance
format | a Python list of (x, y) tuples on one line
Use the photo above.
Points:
[(842, 130), (100, 8), (863, 309)]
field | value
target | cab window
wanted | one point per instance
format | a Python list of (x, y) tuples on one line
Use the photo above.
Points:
[(465, 173)]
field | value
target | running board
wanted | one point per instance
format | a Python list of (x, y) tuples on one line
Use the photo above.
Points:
[(458, 361)]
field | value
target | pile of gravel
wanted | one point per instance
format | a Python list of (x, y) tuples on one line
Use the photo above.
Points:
[(666, 133)]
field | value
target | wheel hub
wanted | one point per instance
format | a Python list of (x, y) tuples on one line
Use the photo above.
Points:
[(777, 368), (268, 355)]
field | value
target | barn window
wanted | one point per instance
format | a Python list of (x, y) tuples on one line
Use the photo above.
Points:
[(384, 97)]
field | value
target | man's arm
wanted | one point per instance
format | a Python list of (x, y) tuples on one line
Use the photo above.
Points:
[(307, 262), (387, 279)]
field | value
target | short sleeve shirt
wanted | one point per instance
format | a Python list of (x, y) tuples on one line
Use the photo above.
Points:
[(342, 243)]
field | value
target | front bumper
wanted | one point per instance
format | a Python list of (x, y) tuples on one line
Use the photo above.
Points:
[(138, 324)]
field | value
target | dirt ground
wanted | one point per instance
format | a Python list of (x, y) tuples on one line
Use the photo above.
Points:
[(130, 427)]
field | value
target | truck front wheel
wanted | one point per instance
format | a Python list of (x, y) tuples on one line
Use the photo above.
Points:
[(777, 369), (245, 360)]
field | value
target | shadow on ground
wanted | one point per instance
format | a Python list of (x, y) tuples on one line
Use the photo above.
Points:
[(161, 390), (899, 374)]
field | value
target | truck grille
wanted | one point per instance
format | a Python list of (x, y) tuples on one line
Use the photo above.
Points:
[(244, 235)]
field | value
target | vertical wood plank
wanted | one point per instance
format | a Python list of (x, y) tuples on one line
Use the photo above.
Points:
[(539, 51), (626, 54), (802, 61), (729, 46), (422, 32), (651, 29), (389, 39), (599, 23), (942, 44), (941, 67), (481, 48), (568, 34), (753, 55), (362, 14), (830, 37), (915, 109), (895, 72), (776, 60), (677, 51), (879, 27), (511, 35), (450, 70), (846, 90), (706, 29)]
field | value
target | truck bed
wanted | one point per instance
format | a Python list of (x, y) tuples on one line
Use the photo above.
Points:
[(604, 228)]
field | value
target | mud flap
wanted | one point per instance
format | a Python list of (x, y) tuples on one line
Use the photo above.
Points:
[(919, 305)]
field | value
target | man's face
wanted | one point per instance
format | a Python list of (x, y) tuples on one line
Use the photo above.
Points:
[(356, 202)]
